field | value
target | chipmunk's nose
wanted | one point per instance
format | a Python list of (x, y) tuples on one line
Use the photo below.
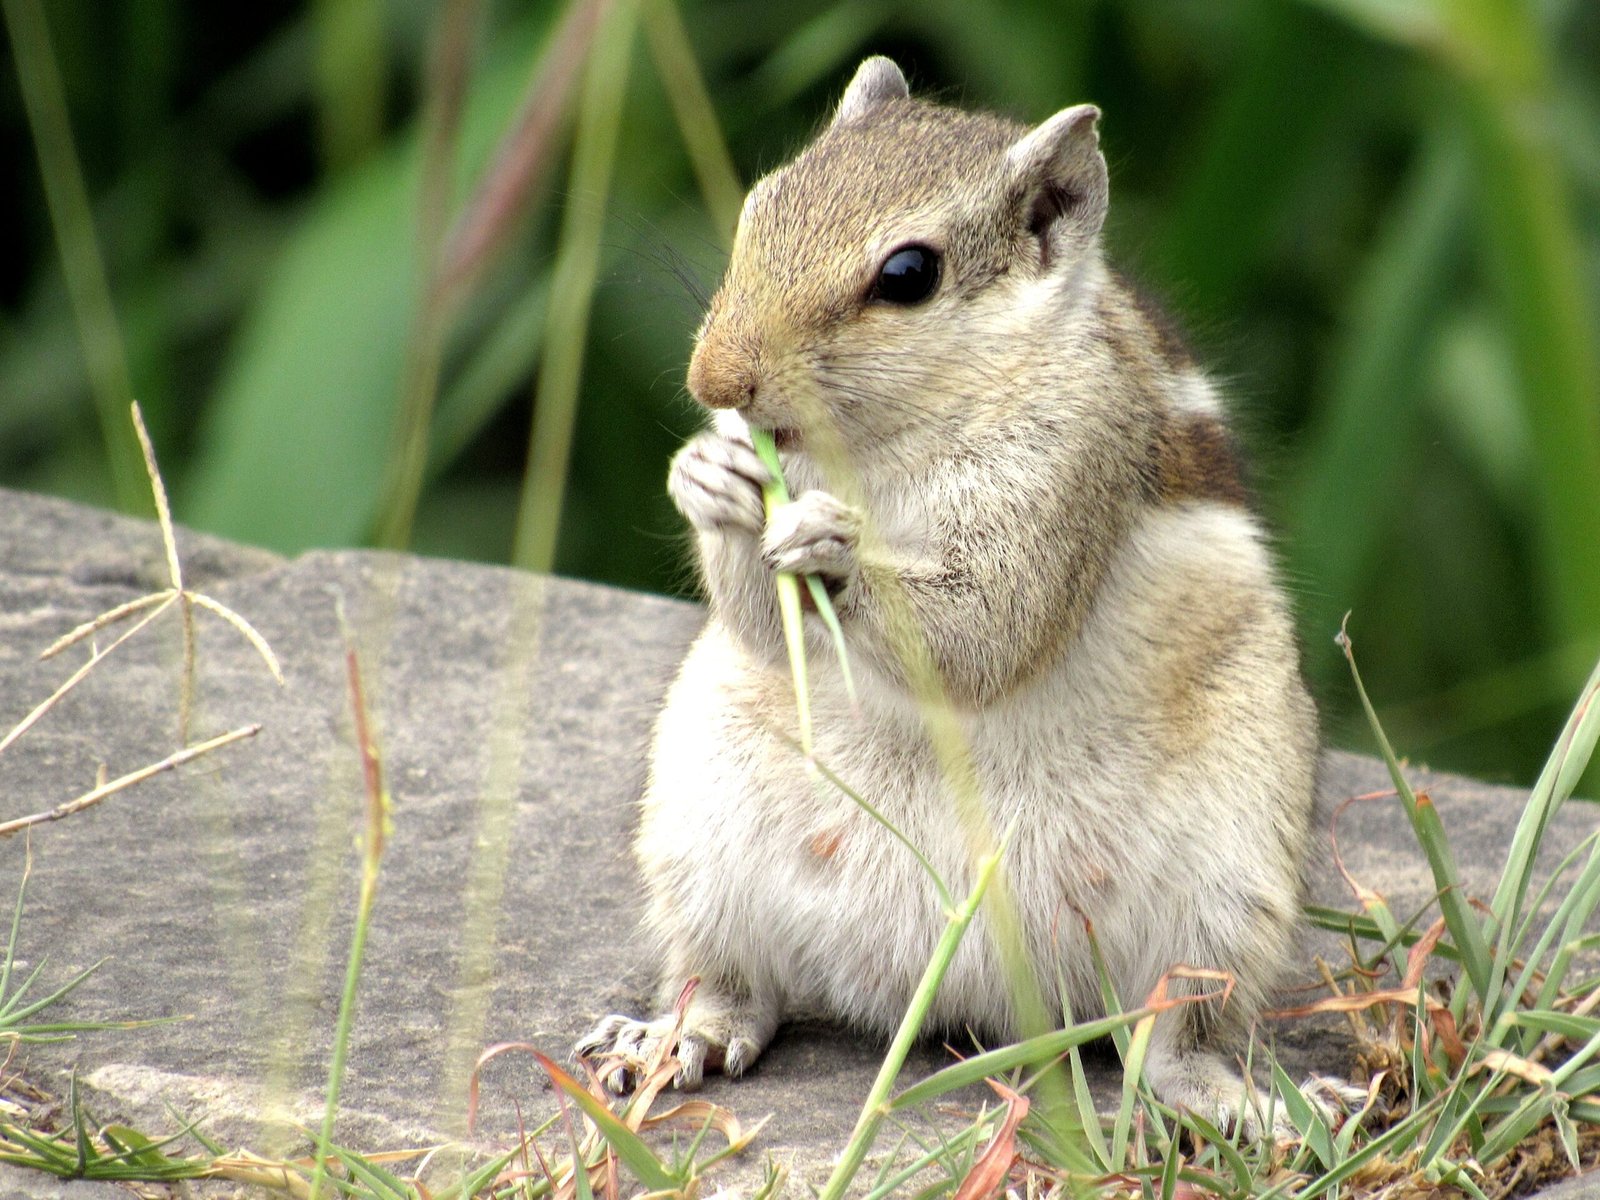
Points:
[(722, 373)]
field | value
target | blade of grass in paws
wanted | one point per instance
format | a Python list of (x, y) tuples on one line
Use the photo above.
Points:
[(776, 493), (773, 494)]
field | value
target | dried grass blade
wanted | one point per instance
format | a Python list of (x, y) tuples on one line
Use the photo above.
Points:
[(245, 628), (994, 1164), (159, 491), (109, 617), (77, 676), (91, 798)]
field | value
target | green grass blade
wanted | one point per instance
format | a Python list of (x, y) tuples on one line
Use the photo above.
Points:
[(697, 119), (1461, 1101), (1568, 1025), (1581, 897), (1338, 920), (1465, 931), (1216, 1140), (1169, 1173), (1396, 1138), (1561, 773), (1569, 920), (1093, 1136), (10, 1017), (824, 606), (1033, 1052), (630, 1148), (1306, 1119), (134, 1148), (1132, 1074), (946, 901), (22, 989), (16, 926), (83, 1147), (776, 493), (381, 1183), (55, 1153), (1561, 1112), (1511, 1129), (483, 1176), (961, 1143)]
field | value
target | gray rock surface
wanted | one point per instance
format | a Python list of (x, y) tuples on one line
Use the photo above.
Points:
[(222, 893)]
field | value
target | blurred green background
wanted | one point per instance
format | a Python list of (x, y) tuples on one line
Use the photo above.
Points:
[(318, 243)]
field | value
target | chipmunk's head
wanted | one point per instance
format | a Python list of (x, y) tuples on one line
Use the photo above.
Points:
[(878, 278)]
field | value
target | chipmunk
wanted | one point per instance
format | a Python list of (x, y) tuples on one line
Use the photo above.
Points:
[(1040, 480)]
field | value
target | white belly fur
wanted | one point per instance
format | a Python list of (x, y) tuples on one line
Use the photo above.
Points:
[(1137, 804)]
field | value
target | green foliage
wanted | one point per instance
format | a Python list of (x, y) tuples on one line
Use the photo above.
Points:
[(1378, 219)]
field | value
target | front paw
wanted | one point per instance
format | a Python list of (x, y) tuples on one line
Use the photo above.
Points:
[(625, 1051), (815, 535), (716, 483)]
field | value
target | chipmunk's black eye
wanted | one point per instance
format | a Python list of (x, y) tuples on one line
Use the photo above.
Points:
[(908, 276)]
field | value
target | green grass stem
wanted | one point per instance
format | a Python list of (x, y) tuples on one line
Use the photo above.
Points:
[(572, 287), (405, 468), (773, 494), (1465, 930), (679, 71), (377, 810), (81, 262), (876, 1107)]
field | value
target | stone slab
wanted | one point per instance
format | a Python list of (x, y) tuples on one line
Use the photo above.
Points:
[(222, 893)]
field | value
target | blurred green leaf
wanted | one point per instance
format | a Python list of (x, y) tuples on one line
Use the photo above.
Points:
[(1349, 481), (1474, 392), (292, 453)]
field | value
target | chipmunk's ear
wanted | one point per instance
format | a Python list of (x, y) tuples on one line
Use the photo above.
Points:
[(877, 81), (1059, 175)]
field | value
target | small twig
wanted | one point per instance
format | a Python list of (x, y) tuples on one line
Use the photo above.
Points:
[(90, 798)]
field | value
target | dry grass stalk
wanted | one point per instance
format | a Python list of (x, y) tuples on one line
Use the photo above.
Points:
[(77, 677), (157, 602), (94, 796)]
